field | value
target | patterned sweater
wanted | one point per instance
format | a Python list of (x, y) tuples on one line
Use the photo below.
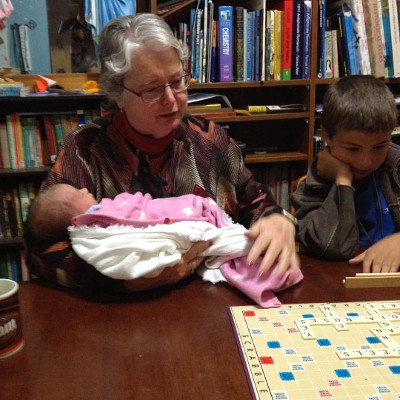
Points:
[(201, 159)]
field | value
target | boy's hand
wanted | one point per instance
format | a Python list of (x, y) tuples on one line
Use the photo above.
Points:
[(383, 256), (331, 169)]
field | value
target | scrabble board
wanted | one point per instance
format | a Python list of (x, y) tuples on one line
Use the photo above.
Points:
[(320, 351)]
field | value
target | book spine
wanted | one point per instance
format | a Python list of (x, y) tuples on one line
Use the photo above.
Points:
[(297, 57), (51, 137), (394, 24), (307, 39), (58, 130), (350, 40), (27, 142), (389, 73), (287, 29), (328, 54), (5, 151), (321, 39), (19, 141), (357, 10), (11, 142), (335, 54), (267, 54), (214, 53), (249, 52), (239, 44), (278, 45), (225, 43), (257, 41), (205, 42), (272, 46), (374, 38)]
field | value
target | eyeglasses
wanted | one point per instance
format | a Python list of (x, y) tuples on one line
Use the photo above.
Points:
[(154, 94)]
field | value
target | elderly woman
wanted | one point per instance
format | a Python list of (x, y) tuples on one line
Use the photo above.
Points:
[(147, 144)]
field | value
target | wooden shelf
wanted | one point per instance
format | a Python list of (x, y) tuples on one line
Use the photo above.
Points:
[(7, 172), (275, 157), (11, 242)]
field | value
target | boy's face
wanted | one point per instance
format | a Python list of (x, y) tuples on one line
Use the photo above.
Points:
[(363, 152)]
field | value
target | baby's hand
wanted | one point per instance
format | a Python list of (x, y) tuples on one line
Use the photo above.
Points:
[(333, 170), (383, 256)]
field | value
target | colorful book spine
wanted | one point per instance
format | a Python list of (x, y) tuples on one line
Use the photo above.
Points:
[(225, 19), (272, 46), (249, 46), (395, 36), (5, 152), (357, 11), (278, 46), (286, 6), (307, 16), (374, 37), (335, 54), (321, 39), (267, 54), (297, 44), (350, 42), (328, 54), (11, 142), (19, 140), (389, 73), (239, 35)]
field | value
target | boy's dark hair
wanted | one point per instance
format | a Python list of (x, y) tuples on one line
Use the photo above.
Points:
[(358, 103)]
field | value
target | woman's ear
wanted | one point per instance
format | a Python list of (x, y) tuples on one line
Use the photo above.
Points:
[(73, 221)]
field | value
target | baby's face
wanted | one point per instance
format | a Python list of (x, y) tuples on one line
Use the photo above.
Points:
[(83, 200)]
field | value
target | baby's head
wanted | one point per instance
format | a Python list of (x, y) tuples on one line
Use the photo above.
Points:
[(53, 208)]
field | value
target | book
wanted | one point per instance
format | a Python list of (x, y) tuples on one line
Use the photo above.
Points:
[(225, 23), (267, 52), (19, 140), (278, 45), (56, 120), (321, 39), (260, 7), (395, 36), (250, 45), (374, 38), (5, 152), (297, 43), (328, 54), (335, 54), (276, 108), (11, 142), (357, 11), (51, 137), (239, 36), (28, 141), (349, 42), (209, 39), (272, 45), (214, 51), (286, 6), (336, 24), (389, 71), (307, 17)]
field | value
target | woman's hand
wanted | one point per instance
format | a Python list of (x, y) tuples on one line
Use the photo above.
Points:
[(170, 275), (383, 256), (274, 240), (333, 170)]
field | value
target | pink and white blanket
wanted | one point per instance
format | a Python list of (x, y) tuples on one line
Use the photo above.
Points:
[(136, 236)]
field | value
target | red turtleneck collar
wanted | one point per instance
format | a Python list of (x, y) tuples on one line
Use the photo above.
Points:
[(149, 145)]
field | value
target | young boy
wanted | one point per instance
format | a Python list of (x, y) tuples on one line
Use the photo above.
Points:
[(350, 198)]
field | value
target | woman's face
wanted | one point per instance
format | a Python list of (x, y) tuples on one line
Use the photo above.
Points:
[(153, 69)]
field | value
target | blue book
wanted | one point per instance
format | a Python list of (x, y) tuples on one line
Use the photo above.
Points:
[(307, 38), (321, 39), (225, 25), (297, 44), (349, 43), (389, 67), (257, 30)]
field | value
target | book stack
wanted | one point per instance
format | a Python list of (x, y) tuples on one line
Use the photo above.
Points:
[(256, 42), (358, 37), (34, 139)]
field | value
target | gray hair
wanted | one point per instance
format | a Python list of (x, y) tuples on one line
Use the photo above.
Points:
[(124, 37)]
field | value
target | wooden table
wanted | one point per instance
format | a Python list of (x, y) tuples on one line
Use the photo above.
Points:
[(164, 344)]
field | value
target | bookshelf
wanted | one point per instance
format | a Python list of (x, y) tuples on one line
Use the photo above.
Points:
[(11, 179)]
